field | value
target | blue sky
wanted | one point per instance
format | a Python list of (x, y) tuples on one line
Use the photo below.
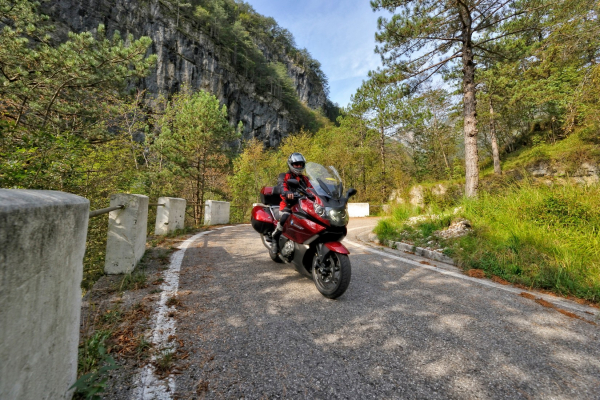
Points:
[(338, 33)]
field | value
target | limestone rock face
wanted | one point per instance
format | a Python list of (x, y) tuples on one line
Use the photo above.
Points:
[(187, 56)]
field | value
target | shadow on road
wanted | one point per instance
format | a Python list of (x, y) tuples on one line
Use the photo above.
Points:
[(257, 329)]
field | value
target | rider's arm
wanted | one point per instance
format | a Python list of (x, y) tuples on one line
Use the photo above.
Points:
[(287, 193)]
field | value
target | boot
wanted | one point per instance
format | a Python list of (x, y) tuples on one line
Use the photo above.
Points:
[(275, 241)]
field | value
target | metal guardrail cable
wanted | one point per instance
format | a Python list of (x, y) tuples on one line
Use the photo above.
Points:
[(105, 210), (156, 204)]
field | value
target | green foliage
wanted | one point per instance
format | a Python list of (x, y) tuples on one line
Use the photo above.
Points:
[(399, 227), (64, 124), (50, 89), (142, 346), (92, 351), (378, 103), (191, 152), (94, 364), (353, 148), (541, 237), (134, 281), (91, 385), (428, 127)]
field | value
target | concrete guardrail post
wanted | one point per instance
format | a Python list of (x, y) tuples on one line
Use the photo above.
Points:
[(127, 230), (216, 212), (42, 243), (358, 209), (171, 216)]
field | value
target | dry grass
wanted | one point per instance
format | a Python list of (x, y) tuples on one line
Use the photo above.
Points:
[(476, 273)]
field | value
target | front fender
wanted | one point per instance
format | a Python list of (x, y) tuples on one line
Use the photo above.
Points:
[(337, 247)]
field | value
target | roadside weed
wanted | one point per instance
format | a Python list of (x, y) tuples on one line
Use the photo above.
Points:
[(90, 353), (164, 360), (133, 281), (90, 385)]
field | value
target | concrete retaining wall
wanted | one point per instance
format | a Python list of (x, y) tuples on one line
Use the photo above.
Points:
[(171, 216), (216, 212), (42, 243), (127, 230), (358, 209)]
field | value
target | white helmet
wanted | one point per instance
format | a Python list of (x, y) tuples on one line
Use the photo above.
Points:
[(296, 158)]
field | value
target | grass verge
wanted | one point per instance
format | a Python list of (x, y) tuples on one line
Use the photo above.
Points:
[(536, 236)]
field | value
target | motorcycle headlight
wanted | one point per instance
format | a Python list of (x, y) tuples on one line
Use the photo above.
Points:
[(319, 209), (338, 217)]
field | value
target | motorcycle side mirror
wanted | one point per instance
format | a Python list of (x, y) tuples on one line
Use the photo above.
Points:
[(351, 192), (293, 182)]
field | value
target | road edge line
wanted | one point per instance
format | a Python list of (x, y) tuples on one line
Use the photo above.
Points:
[(551, 299), (149, 385)]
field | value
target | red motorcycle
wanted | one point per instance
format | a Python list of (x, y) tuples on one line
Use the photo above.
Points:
[(312, 234)]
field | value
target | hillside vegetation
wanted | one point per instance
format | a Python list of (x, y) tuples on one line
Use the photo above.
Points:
[(539, 236)]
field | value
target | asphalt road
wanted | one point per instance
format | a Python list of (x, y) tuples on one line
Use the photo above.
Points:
[(251, 328)]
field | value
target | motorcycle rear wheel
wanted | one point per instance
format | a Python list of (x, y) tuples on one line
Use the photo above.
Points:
[(333, 280), (267, 243)]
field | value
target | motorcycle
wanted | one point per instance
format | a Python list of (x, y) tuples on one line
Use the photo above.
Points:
[(312, 234)]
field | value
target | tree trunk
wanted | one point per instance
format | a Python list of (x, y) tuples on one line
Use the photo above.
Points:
[(383, 172), (470, 107), (203, 182), (495, 151), (439, 140), (197, 202), (363, 136)]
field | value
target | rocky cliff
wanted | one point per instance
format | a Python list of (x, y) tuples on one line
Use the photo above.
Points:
[(187, 56)]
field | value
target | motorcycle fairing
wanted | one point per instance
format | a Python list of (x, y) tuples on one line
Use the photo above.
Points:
[(301, 229), (302, 261), (337, 247)]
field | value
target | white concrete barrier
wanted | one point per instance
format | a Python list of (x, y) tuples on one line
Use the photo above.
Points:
[(127, 230), (171, 216), (216, 212), (358, 209), (42, 243)]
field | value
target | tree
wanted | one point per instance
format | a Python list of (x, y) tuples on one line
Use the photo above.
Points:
[(376, 102), (55, 97), (193, 144), (427, 128), (428, 36)]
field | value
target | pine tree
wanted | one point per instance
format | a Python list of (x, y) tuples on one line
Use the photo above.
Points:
[(377, 101), (193, 144), (426, 37)]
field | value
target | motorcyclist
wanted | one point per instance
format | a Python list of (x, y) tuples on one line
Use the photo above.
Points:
[(296, 162)]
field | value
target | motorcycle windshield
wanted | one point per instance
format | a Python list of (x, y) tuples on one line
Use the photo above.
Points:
[(325, 180)]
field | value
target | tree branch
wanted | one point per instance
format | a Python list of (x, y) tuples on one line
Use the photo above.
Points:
[(504, 35), (56, 93)]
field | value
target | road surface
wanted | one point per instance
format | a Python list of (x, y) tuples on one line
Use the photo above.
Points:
[(254, 329)]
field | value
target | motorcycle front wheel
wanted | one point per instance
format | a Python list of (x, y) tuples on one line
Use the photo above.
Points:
[(332, 277)]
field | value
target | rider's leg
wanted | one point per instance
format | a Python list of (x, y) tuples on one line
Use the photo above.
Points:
[(285, 214)]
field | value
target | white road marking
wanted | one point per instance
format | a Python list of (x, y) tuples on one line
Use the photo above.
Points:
[(551, 299), (149, 385)]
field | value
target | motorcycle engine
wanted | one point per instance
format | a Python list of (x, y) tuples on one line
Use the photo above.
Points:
[(287, 252)]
